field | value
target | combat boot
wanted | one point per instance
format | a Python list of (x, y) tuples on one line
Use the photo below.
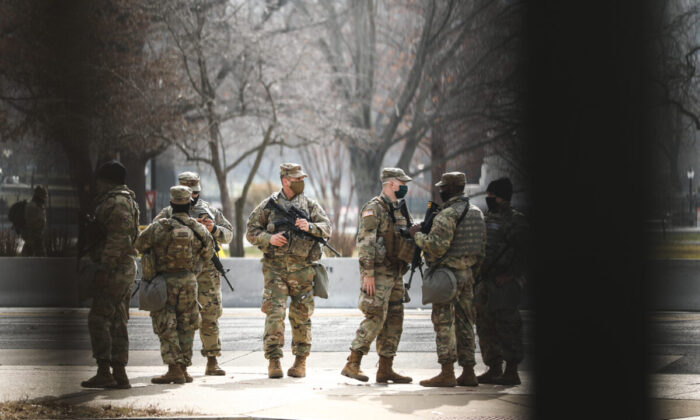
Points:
[(213, 368), (510, 376), (386, 373), (352, 367), (174, 375), (119, 374), (274, 369), (491, 374), (188, 377), (446, 377), (467, 378), (298, 369), (103, 378)]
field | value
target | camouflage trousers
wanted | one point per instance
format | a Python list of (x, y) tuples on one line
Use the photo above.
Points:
[(454, 323), (109, 314), (498, 322), (279, 284), (176, 322), (383, 314), (209, 296)]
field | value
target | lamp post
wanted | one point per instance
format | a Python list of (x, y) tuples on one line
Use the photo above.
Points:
[(691, 175)]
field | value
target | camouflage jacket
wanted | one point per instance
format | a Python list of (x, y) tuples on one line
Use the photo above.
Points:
[(438, 241), (117, 213), (375, 222), (507, 233), (34, 221), (260, 230), (157, 237), (223, 231)]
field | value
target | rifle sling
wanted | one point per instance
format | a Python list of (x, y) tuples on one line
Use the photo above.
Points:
[(197, 235)]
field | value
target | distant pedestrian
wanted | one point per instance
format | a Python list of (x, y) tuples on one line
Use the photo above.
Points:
[(34, 224)]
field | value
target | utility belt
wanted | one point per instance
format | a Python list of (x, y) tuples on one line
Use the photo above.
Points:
[(296, 246)]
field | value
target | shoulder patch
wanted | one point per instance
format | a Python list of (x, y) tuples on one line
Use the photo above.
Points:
[(368, 212)]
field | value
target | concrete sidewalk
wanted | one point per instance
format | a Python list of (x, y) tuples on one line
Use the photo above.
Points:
[(246, 390)]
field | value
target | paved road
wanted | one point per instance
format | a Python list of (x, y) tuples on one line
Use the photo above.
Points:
[(675, 342), (241, 330)]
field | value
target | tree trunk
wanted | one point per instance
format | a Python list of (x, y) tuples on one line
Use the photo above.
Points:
[(437, 152), (366, 172)]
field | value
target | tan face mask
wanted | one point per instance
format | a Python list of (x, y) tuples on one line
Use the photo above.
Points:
[(297, 187)]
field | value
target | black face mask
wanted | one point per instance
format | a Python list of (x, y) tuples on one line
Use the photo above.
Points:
[(195, 199), (492, 204), (445, 195)]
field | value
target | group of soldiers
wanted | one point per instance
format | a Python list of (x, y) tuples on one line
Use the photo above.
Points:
[(486, 255)]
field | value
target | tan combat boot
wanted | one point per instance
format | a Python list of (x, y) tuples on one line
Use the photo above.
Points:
[(352, 367), (213, 368), (510, 376), (467, 378), (298, 369), (446, 377), (274, 369), (491, 374), (103, 378), (119, 374), (174, 375), (386, 373), (188, 377)]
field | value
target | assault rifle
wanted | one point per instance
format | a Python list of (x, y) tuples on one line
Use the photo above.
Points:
[(215, 258), (289, 221), (417, 261)]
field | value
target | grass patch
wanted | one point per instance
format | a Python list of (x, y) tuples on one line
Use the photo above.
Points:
[(675, 250), (252, 252), (20, 410)]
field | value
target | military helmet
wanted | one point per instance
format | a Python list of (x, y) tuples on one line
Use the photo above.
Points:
[(190, 179), (180, 194)]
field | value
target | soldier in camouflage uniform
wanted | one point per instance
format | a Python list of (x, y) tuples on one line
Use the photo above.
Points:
[(380, 248), (500, 284), (181, 246), (288, 268), (456, 241), (209, 280), (117, 217), (34, 223)]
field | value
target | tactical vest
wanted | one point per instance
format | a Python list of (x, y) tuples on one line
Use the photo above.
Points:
[(296, 245), (177, 254), (469, 234), (399, 250)]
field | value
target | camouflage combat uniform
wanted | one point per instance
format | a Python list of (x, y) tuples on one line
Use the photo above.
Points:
[(454, 322), (180, 261), (33, 231), (117, 213), (288, 271), (384, 311), (209, 280), (498, 319)]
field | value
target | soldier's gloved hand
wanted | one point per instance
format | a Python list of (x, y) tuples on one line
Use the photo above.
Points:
[(368, 285), (415, 228), (278, 239), (302, 224), (208, 223)]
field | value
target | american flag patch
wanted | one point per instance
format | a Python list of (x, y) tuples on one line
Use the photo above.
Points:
[(368, 213)]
